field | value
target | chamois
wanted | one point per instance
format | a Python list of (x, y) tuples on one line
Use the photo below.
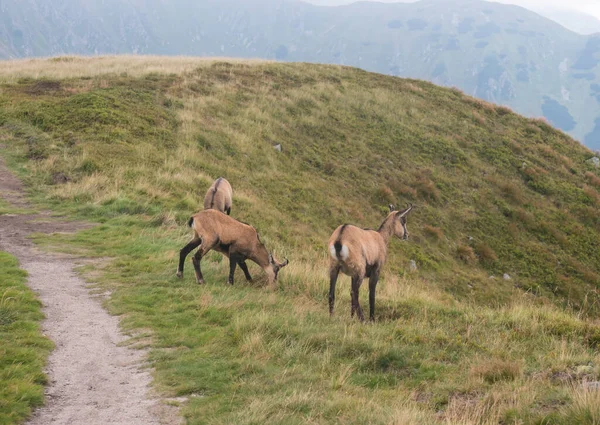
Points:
[(218, 196), (361, 253), (236, 240)]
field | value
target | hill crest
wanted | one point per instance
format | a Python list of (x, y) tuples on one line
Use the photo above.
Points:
[(500, 53), (133, 143)]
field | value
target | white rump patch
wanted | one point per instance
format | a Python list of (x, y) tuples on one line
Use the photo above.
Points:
[(332, 252), (344, 253)]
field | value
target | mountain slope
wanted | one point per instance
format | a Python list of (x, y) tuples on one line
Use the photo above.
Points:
[(134, 142), (479, 173), (496, 52)]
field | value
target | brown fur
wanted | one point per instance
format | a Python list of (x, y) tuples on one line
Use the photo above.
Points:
[(237, 241), (219, 196), (361, 253)]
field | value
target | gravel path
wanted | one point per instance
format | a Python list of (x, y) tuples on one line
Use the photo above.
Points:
[(92, 379)]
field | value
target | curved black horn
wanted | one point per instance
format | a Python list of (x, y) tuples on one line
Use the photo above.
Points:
[(406, 211)]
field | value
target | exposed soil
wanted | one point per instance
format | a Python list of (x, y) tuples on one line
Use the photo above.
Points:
[(44, 87), (93, 380)]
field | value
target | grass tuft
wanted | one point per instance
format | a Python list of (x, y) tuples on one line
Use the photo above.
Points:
[(494, 370), (23, 350)]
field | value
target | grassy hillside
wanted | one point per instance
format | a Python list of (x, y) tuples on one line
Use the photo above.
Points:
[(23, 350), (497, 52), (455, 342)]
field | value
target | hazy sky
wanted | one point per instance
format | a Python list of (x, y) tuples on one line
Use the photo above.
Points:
[(589, 6)]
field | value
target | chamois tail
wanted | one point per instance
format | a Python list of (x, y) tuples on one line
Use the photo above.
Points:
[(338, 250)]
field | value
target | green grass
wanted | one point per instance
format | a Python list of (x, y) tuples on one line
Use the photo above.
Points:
[(494, 192), (249, 354), (23, 349), (6, 208)]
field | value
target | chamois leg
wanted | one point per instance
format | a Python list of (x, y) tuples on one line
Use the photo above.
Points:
[(202, 251), (356, 281), (333, 275), (205, 247), (352, 303), (233, 262), (184, 253), (196, 261), (244, 268), (372, 285)]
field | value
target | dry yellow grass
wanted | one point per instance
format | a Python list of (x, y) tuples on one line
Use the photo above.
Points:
[(63, 67)]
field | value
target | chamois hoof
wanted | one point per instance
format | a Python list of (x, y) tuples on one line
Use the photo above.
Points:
[(200, 282), (179, 275)]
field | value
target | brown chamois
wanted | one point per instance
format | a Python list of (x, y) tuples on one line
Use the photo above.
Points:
[(218, 196), (361, 253), (238, 241)]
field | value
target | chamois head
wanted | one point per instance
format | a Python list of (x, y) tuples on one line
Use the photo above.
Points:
[(399, 224), (276, 266)]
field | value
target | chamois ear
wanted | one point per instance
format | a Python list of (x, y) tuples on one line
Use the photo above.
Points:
[(392, 208)]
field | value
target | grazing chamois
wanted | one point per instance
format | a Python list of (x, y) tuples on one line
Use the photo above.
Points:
[(361, 253), (218, 196), (236, 240)]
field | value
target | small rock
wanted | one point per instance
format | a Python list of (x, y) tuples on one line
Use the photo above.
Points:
[(413, 266), (60, 178), (595, 161), (506, 276), (470, 238), (492, 277), (278, 147)]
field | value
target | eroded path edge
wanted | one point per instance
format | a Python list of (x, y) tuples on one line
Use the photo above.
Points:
[(93, 380)]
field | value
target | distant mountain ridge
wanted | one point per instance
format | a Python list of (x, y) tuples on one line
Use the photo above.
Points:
[(502, 53), (574, 20), (566, 15)]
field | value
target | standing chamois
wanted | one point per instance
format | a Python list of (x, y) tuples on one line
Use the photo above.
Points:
[(238, 241), (361, 253), (218, 196)]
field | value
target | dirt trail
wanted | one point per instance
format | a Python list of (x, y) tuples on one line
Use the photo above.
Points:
[(92, 379)]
